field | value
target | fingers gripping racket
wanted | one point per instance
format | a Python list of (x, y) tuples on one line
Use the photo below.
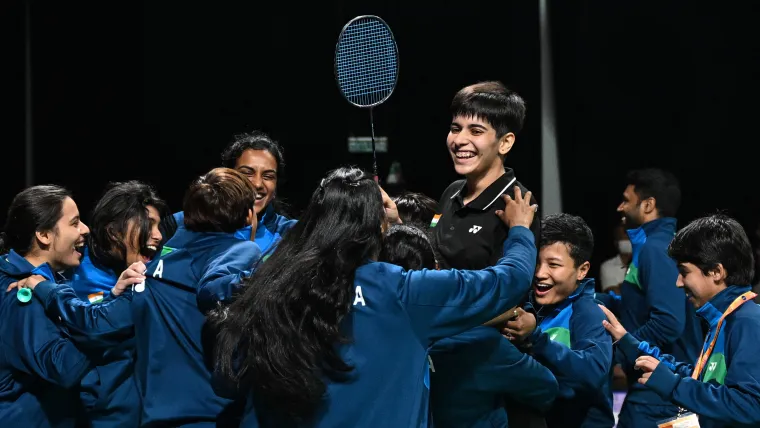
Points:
[(366, 66)]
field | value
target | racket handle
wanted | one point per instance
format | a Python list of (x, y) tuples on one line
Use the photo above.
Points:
[(374, 154)]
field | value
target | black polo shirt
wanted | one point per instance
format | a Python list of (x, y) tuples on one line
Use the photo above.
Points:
[(472, 236)]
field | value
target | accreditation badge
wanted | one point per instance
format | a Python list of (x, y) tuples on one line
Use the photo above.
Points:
[(686, 420)]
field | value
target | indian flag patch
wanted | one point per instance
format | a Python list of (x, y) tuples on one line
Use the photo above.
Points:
[(95, 297), (435, 220)]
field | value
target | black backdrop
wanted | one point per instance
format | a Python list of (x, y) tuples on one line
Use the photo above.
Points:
[(154, 93)]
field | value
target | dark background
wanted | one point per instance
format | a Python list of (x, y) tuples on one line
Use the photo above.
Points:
[(155, 93)]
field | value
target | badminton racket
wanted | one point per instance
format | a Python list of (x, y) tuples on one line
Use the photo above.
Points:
[(366, 66)]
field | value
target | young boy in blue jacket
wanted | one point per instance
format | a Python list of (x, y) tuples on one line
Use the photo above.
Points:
[(472, 373), (204, 266), (568, 339), (715, 264)]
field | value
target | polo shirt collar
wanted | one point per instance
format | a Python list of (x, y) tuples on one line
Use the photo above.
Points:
[(489, 196)]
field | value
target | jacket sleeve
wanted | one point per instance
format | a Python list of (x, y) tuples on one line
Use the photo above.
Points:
[(224, 274), (109, 317), (631, 348), (35, 345), (585, 365), (447, 302), (511, 370), (666, 302), (737, 401)]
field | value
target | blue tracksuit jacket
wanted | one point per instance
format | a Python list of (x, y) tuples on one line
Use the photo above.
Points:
[(40, 368), (395, 318), (727, 391), (571, 341), (105, 333), (654, 310), (473, 373), (200, 270)]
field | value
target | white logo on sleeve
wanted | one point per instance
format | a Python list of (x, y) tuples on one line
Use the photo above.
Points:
[(359, 296), (712, 367), (475, 229)]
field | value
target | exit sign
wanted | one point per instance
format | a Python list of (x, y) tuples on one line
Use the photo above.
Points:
[(364, 144)]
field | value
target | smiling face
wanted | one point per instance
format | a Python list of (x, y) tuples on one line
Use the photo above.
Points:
[(557, 276), (700, 288), (65, 242), (260, 168), (475, 148), (143, 251)]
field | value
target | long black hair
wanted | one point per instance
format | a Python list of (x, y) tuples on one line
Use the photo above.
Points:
[(109, 222), (279, 336), (35, 209)]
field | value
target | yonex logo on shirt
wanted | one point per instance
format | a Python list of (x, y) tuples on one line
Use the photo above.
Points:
[(475, 229)]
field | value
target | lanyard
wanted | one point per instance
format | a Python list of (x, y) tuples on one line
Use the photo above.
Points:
[(705, 355)]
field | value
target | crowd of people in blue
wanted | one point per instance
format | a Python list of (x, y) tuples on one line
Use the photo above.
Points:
[(369, 310)]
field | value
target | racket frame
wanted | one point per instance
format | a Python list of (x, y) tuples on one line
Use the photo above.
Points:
[(395, 48)]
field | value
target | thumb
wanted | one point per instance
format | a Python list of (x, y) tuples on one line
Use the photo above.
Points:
[(499, 212)]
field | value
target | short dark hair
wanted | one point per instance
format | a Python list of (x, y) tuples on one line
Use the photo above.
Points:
[(219, 202), (254, 140), (716, 239), (492, 102), (407, 246), (109, 222), (416, 208), (34, 209), (658, 184), (570, 230)]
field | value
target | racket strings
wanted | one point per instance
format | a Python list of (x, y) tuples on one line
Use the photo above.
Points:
[(366, 62)]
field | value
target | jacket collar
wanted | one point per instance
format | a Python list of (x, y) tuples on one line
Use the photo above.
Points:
[(586, 287), (714, 309), (19, 266), (268, 217), (664, 224)]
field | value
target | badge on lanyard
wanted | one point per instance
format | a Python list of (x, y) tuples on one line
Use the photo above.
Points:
[(686, 420)]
